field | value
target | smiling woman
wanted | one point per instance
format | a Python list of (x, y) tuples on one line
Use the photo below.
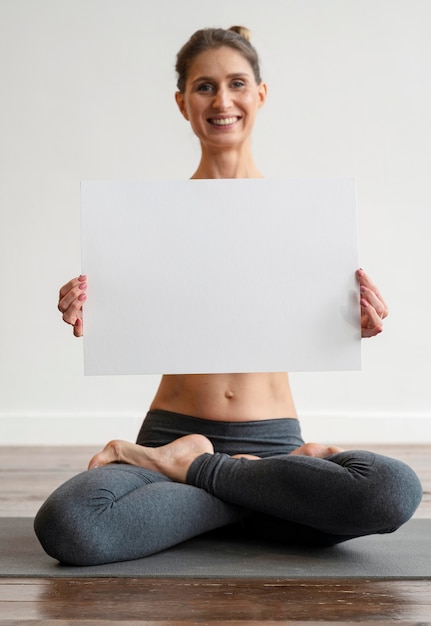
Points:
[(218, 449), (220, 92)]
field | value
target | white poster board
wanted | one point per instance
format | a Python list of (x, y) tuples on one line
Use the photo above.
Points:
[(211, 276)]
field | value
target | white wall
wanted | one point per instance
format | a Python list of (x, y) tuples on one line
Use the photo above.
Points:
[(87, 93)]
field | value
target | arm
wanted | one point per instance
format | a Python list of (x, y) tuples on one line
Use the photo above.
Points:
[(71, 298), (373, 307)]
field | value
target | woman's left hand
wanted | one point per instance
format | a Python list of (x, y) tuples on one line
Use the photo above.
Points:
[(373, 307)]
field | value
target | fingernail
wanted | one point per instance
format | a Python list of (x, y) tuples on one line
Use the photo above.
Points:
[(82, 297), (83, 286)]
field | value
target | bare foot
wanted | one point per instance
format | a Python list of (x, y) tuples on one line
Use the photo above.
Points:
[(172, 460), (309, 449), (318, 450)]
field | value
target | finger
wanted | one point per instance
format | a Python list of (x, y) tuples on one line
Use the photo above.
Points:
[(366, 282), (371, 332), (369, 296), (78, 329), (76, 293), (70, 309), (70, 291), (73, 298), (73, 316), (371, 322), (71, 284)]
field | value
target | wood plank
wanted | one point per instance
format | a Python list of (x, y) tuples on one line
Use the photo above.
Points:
[(168, 601), (30, 474), (202, 623)]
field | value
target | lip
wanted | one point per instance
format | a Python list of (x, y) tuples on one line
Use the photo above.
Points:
[(224, 121)]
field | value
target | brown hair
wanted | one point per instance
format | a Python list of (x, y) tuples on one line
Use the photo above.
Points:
[(236, 37)]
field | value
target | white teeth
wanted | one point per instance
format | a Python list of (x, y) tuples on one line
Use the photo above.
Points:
[(224, 121)]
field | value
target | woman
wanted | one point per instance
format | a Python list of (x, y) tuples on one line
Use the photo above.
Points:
[(222, 449)]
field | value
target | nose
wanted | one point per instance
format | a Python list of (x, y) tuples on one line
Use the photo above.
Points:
[(222, 99)]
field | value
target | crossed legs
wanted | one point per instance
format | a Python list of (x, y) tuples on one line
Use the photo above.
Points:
[(137, 500), (344, 493)]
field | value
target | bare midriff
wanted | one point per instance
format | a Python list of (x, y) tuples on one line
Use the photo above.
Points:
[(227, 397)]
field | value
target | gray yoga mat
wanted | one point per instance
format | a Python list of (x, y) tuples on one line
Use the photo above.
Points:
[(403, 554)]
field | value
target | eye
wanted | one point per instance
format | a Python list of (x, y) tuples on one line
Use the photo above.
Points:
[(205, 88), (237, 83)]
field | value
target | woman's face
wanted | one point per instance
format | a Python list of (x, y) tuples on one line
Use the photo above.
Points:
[(221, 97)]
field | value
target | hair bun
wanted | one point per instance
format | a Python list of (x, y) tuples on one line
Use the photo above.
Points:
[(242, 31)]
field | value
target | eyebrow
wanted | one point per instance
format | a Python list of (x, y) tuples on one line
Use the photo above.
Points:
[(211, 78)]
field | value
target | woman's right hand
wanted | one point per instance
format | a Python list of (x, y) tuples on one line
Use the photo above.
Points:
[(72, 297)]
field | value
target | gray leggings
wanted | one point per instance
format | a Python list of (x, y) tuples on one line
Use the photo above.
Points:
[(121, 512)]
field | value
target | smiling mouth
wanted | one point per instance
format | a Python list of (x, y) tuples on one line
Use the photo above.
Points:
[(223, 121)]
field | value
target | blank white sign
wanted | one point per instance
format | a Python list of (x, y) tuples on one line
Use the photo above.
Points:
[(211, 276)]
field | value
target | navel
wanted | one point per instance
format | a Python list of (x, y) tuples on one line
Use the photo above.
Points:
[(229, 394)]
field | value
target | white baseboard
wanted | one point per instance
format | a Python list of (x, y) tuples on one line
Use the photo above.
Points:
[(379, 428), (81, 430), (67, 430)]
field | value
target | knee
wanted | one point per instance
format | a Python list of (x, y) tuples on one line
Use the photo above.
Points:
[(388, 493), (69, 526), (60, 533), (52, 531), (401, 493)]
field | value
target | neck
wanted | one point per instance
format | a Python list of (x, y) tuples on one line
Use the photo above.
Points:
[(232, 163)]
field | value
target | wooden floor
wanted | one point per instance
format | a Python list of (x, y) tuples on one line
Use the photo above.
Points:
[(28, 475)]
